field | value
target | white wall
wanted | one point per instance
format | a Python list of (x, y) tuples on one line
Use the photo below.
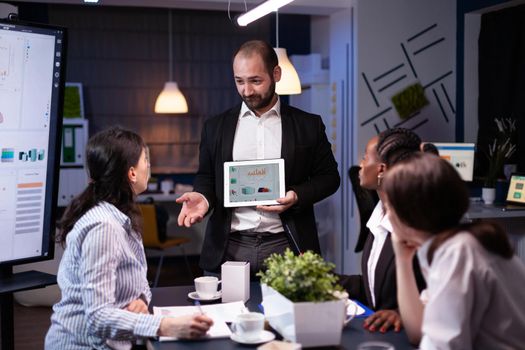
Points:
[(389, 35), (380, 40)]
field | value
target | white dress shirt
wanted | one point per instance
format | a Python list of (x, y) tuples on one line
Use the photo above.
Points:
[(379, 226), (475, 298), (257, 138)]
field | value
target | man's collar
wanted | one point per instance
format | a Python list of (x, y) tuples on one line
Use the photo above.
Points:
[(247, 111)]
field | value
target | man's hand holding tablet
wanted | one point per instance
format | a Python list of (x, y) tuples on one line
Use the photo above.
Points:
[(284, 203)]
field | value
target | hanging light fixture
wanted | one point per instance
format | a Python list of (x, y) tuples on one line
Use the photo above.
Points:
[(289, 83), (260, 11), (171, 99)]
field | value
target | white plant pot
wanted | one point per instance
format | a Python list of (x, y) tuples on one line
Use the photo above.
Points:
[(311, 324), (488, 194)]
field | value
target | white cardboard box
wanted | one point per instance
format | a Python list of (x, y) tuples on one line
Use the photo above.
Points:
[(235, 281)]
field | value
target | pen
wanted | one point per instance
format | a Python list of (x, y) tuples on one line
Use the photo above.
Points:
[(198, 305)]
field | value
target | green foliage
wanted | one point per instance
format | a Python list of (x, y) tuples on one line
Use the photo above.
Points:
[(409, 100), (305, 277), (72, 102)]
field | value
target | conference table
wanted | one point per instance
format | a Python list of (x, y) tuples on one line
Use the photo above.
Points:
[(353, 333)]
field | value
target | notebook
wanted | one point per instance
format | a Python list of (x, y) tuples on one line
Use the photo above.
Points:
[(516, 194), (220, 313)]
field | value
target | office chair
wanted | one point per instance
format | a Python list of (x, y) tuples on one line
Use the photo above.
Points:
[(150, 238), (366, 202)]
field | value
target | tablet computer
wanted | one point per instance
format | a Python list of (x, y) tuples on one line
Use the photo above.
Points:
[(253, 182)]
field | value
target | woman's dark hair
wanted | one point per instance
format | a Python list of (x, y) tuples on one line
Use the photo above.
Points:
[(429, 147), (109, 155), (261, 48), (396, 144), (428, 194)]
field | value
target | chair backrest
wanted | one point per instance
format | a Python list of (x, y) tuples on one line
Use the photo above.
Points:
[(150, 235), (366, 202)]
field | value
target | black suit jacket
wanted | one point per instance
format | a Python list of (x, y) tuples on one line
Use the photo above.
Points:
[(385, 285), (310, 170)]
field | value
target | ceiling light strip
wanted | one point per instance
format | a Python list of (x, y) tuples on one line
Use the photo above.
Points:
[(260, 11)]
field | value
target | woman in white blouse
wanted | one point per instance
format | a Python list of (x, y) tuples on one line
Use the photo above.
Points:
[(102, 275), (475, 284)]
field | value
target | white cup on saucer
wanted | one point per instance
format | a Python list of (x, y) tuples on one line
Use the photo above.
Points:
[(248, 326), (206, 287)]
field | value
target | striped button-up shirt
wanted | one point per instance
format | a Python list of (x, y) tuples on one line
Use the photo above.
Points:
[(103, 269)]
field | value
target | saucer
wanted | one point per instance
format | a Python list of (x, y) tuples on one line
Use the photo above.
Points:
[(265, 337), (195, 296)]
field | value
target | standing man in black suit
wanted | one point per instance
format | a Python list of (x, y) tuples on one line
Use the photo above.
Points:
[(260, 128)]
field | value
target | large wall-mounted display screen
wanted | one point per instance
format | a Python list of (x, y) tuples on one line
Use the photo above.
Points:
[(32, 60)]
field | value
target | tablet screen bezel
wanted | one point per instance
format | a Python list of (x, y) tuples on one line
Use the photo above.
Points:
[(281, 182)]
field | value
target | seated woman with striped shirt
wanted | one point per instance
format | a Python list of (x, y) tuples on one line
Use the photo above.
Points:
[(102, 275)]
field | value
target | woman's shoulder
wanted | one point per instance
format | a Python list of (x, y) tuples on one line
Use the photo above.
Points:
[(105, 211), (463, 240), (104, 216), (466, 247)]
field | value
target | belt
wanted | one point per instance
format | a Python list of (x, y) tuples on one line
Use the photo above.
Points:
[(259, 236)]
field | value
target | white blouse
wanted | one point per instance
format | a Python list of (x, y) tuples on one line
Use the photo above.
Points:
[(476, 299)]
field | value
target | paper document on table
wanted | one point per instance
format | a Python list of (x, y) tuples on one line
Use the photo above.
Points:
[(361, 312), (354, 307), (219, 313)]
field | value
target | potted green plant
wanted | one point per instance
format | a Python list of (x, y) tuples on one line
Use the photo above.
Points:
[(499, 151), (301, 299)]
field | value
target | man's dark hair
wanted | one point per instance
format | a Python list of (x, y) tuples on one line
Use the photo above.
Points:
[(261, 48)]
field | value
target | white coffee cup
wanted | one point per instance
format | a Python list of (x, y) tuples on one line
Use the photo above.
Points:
[(206, 287), (248, 326)]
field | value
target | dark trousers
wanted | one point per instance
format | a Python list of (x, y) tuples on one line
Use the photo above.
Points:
[(255, 247)]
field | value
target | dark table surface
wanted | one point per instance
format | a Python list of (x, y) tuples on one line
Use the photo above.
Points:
[(353, 334)]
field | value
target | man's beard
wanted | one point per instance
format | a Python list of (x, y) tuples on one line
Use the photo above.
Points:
[(257, 102)]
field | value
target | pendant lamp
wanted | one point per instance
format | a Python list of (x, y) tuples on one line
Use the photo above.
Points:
[(171, 100), (289, 83)]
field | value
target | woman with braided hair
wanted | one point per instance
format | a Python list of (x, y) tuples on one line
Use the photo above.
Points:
[(376, 287)]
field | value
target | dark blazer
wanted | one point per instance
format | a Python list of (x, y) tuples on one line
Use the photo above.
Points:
[(385, 286), (310, 170)]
